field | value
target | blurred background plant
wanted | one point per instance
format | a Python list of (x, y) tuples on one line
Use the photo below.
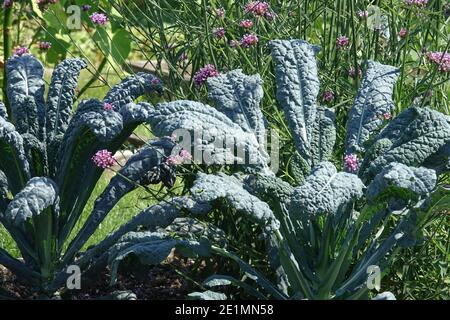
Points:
[(186, 41)]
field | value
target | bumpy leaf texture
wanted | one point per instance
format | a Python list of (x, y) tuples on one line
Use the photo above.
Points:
[(214, 135), (413, 137), (270, 189), (132, 88), (324, 191), (323, 135), (3, 111), (25, 79), (238, 96), (38, 195), (4, 189), (420, 181), (61, 95), (13, 161), (208, 188), (151, 248), (148, 166), (297, 88), (160, 215), (374, 99), (194, 229)]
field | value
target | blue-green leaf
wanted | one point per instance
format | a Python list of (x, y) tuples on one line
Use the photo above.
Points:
[(415, 135), (419, 181), (297, 88), (211, 132), (25, 79), (61, 95), (38, 195), (132, 88), (13, 161), (374, 99), (324, 191), (208, 188), (238, 96)]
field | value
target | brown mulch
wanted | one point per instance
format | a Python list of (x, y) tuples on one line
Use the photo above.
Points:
[(160, 283)]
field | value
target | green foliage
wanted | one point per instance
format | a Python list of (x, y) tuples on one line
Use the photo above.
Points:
[(46, 171)]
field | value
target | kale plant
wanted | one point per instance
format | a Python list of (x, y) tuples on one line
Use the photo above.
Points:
[(325, 232), (47, 173)]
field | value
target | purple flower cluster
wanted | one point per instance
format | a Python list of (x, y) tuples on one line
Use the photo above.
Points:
[(108, 106), (387, 116), (219, 33), (363, 14), (351, 163), (259, 9), (44, 45), (183, 156), (249, 40), (441, 59), (353, 74), (417, 3), (403, 33), (103, 159), (20, 51), (220, 12), (99, 18), (45, 3), (247, 24), (342, 42), (6, 4), (85, 7), (204, 73), (328, 95)]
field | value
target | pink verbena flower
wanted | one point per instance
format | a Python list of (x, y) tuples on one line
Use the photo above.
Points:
[(173, 160), (44, 45), (249, 40), (108, 106), (270, 15), (353, 74), (233, 43), (387, 116), (7, 4), (441, 59), (328, 95), (403, 33), (220, 12), (257, 8), (103, 159), (44, 3), (85, 7), (204, 73), (185, 155), (180, 158), (351, 162), (342, 42), (363, 14), (99, 18), (417, 3), (219, 33), (247, 24), (20, 51)]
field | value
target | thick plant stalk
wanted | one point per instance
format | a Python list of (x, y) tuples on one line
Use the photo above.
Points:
[(7, 48)]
